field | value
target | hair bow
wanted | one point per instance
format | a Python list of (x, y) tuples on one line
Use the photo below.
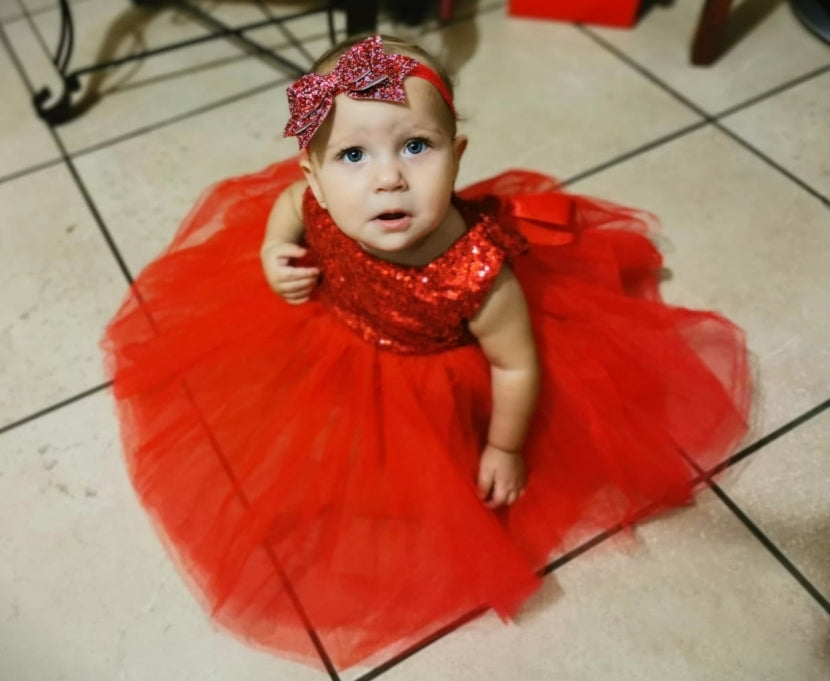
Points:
[(365, 71)]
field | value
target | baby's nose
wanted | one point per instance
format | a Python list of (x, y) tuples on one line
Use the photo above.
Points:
[(389, 176)]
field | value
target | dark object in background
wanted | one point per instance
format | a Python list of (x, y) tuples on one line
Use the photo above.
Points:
[(363, 14), (409, 12), (815, 15), (708, 41)]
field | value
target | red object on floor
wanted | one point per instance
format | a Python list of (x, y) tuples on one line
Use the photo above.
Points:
[(610, 12)]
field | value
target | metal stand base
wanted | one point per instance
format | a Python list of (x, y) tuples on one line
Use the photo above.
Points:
[(57, 109)]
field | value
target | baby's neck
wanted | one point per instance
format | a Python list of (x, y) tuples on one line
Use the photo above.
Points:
[(433, 245)]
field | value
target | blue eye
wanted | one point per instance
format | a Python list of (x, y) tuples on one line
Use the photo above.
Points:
[(416, 146), (353, 155)]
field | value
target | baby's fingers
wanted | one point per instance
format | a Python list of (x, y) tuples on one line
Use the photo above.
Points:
[(290, 280), (500, 495), (296, 285), (485, 483), (297, 292), (297, 298), (505, 493), (286, 272)]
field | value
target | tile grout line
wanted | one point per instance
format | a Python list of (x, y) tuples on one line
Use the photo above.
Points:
[(768, 544), (607, 534), (7, 45), (34, 12), (768, 94), (711, 119), (660, 141), (54, 407), (756, 531), (30, 170), (772, 163), (65, 157), (643, 71), (138, 132), (421, 645), (769, 437)]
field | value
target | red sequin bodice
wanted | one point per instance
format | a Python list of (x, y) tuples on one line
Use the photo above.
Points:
[(408, 309)]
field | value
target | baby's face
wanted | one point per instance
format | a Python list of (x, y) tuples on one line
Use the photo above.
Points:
[(386, 171)]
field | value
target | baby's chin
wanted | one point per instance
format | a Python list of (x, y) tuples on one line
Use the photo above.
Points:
[(387, 249), (400, 253)]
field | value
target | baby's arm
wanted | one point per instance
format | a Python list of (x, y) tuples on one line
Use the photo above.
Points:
[(281, 244), (503, 329)]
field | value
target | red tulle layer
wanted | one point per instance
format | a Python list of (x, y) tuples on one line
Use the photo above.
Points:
[(303, 479)]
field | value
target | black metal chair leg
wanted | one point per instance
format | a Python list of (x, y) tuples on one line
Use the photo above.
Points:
[(58, 109)]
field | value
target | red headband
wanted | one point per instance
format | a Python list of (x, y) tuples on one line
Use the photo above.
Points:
[(364, 71)]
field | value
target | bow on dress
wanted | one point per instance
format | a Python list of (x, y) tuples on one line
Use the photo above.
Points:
[(532, 202), (544, 218)]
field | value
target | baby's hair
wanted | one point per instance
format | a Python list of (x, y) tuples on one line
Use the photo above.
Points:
[(391, 45)]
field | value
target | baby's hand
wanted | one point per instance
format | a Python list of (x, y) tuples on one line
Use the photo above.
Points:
[(501, 476), (293, 284)]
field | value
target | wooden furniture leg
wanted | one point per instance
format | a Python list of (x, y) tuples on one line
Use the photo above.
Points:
[(707, 41)]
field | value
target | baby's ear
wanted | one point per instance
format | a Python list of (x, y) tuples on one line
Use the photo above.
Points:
[(459, 146), (308, 170)]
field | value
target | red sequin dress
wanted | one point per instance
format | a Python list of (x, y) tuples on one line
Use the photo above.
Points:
[(313, 468)]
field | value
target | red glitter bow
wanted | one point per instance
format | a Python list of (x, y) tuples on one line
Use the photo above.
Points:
[(365, 71)]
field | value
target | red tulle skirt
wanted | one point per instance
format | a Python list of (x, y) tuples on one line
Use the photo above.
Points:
[(317, 491)]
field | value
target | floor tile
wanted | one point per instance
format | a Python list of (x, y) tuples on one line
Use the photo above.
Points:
[(140, 94), (462, 10), (9, 9), (59, 285), (783, 489), (697, 598), (306, 28), (89, 593), (14, 9), (792, 128), (585, 107), (741, 238), (772, 48), (145, 186), (25, 141), (40, 5)]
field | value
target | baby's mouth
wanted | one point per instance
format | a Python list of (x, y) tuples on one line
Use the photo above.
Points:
[(394, 221)]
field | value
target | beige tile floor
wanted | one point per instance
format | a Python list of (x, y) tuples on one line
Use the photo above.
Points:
[(734, 158)]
